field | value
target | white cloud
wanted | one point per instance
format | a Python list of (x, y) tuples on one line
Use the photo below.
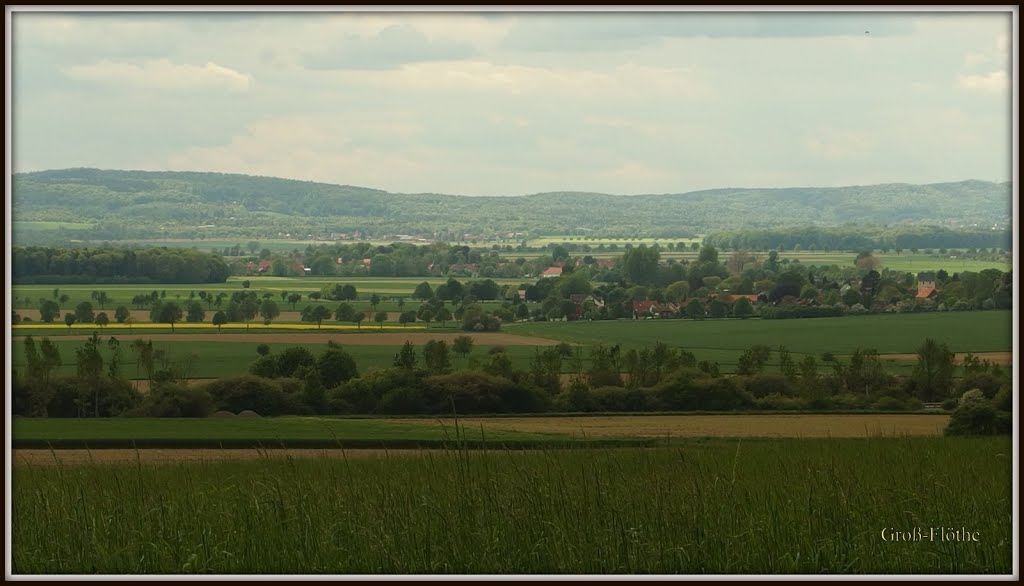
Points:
[(162, 74), (624, 80), (991, 83), (833, 145), (319, 148)]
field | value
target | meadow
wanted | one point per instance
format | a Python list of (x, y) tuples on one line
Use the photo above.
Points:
[(780, 506), (975, 331), (722, 341)]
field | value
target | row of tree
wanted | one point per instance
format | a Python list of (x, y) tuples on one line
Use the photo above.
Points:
[(108, 264)]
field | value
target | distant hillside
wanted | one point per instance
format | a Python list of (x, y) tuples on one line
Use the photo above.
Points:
[(113, 205)]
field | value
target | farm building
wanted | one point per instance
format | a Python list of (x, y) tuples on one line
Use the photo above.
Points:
[(926, 286), (552, 272)]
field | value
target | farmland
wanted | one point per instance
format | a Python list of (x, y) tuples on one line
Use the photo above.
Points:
[(716, 507), (963, 332)]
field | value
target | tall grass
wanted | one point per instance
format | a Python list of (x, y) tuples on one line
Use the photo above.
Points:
[(770, 506)]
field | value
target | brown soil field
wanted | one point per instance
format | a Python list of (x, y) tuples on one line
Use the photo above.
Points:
[(767, 425), (141, 316), (1004, 358), (367, 339), (165, 456)]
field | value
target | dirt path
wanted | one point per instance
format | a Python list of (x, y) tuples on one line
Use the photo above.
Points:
[(1004, 358), (766, 425), (365, 339)]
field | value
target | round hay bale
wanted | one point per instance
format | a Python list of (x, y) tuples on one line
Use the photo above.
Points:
[(223, 414), (248, 413)]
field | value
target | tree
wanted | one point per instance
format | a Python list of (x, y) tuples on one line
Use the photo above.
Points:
[(380, 318), (933, 374), (406, 357), (423, 292), (269, 310), (121, 314), (358, 318), (462, 345), (640, 265), (695, 309), (319, 314), (63, 299), (69, 319), (166, 312), (219, 319), (246, 284), (83, 312), (742, 308), (101, 298), (436, 357), (48, 311), (717, 309), (196, 313), (374, 301), (344, 312), (708, 254), (294, 298), (752, 361), (248, 310), (102, 320), (443, 315), (335, 367), (407, 317)]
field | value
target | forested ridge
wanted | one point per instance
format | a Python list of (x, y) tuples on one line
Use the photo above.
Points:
[(113, 205)]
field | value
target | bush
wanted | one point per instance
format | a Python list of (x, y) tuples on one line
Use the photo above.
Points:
[(950, 403), (890, 404), (978, 418), (763, 385), (172, 400), (988, 383), (253, 393), (779, 402)]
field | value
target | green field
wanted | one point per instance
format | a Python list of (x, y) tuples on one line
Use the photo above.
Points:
[(704, 507), (17, 225), (27, 296), (973, 331)]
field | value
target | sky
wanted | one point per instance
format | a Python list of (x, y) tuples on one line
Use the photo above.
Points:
[(512, 103)]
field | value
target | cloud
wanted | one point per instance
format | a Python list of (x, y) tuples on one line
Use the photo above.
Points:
[(393, 46), (617, 31), (991, 83), (628, 80), (834, 145), (162, 74)]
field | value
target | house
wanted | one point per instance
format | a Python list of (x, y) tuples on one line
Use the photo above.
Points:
[(606, 263), (926, 286), (522, 294), (260, 269), (651, 308), (552, 272)]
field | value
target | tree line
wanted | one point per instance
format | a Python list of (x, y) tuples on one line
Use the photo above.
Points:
[(36, 264), (602, 378)]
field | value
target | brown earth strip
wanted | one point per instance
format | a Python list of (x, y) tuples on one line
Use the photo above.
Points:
[(768, 425), (1004, 358), (365, 339)]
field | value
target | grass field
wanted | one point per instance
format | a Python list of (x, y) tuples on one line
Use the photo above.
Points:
[(28, 296), (721, 341), (975, 331), (707, 507)]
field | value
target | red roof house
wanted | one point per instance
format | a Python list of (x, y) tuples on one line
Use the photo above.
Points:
[(552, 272)]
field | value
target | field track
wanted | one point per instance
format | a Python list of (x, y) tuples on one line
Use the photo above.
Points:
[(677, 426), (367, 339), (1004, 358)]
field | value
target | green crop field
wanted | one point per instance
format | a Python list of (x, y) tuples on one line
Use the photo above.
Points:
[(822, 506), (974, 331), (28, 296)]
